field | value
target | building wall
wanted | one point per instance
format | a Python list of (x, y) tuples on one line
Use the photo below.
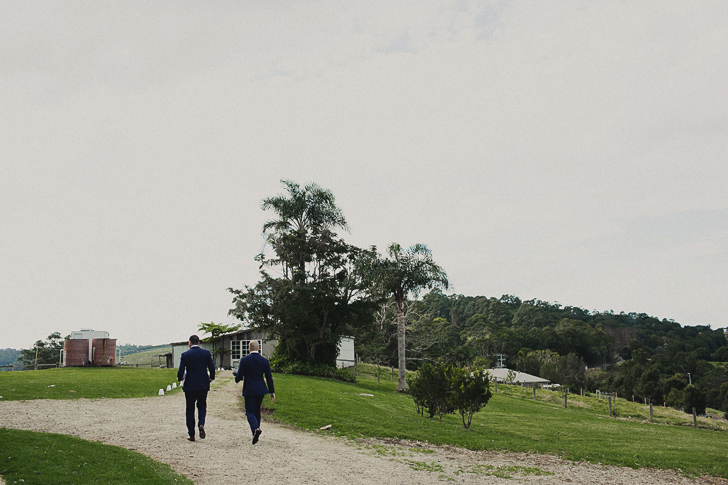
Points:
[(346, 353), (178, 348), (79, 352), (346, 348)]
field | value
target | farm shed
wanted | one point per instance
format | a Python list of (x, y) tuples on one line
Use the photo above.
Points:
[(527, 380), (236, 344)]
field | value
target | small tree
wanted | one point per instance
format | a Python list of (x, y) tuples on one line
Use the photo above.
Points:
[(471, 392), (431, 389), (43, 353), (216, 330), (442, 389)]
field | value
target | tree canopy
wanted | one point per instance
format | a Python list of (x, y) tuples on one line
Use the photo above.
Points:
[(316, 288)]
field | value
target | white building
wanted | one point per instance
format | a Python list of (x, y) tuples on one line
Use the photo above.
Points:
[(236, 347)]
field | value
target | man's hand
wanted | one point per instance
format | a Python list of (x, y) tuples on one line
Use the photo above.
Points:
[(272, 397)]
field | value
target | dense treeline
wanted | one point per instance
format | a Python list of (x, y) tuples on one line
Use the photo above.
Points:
[(9, 357), (633, 354)]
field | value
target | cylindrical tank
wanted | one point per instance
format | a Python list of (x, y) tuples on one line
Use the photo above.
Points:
[(75, 352), (104, 351)]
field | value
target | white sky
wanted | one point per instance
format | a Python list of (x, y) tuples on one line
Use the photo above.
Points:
[(566, 151)]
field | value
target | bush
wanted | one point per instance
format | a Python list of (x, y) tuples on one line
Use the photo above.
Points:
[(442, 389), (471, 392), (431, 389)]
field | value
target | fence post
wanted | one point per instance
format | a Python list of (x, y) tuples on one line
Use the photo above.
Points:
[(650, 411), (695, 419), (534, 391), (566, 393), (496, 386), (609, 398)]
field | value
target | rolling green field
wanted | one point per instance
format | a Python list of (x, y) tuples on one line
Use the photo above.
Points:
[(85, 382), (146, 358), (512, 421)]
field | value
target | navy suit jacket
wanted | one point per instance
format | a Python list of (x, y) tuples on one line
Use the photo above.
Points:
[(251, 370), (197, 362)]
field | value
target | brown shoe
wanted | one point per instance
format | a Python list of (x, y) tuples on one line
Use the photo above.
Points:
[(202, 432), (190, 438)]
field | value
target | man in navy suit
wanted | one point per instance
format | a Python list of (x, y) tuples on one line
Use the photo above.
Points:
[(251, 370), (196, 362)]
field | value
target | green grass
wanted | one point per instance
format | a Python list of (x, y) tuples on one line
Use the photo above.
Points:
[(510, 422), (85, 382), (39, 458)]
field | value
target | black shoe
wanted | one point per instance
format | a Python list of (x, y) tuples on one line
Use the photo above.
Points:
[(190, 438), (202, 432), (256, 435)]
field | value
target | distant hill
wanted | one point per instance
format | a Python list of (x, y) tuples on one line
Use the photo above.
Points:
[(143, 354), (133, 349), (8, 357)]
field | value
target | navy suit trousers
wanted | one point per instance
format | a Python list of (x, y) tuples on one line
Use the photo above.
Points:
[(192, 398), (252, 410)]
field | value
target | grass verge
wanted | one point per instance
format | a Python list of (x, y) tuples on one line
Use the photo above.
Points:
[(84, 382), (509, 423), (29, 457)]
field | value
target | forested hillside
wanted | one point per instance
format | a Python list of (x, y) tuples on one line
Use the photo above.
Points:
[(632, 354), (8, 357)]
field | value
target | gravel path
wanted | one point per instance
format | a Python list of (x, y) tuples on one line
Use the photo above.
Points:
[(155, 426)]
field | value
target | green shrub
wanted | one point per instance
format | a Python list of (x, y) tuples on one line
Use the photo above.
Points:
[(442, 389), (431, 389), (471, 392)]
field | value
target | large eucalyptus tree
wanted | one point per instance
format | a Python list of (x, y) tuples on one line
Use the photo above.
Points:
[(402, 273)]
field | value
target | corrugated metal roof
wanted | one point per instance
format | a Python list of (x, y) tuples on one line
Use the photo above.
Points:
[(501, 375)]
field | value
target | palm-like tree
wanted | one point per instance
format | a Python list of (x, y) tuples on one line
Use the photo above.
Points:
[(304, 213), (406, 272)]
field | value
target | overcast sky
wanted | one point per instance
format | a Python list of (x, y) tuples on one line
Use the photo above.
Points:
[(572, 152)]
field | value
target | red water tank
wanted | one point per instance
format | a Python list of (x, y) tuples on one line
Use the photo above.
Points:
[(104, 351), (75, 352)]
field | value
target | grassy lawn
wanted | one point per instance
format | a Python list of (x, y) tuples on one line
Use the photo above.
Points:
[(42, 458), (511, 422), (85, 382)]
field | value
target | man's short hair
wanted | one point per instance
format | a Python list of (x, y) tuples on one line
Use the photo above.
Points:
[(253, 346), (194, 339)]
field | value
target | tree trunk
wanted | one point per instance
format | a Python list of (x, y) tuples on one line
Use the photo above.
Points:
[(401, 380)]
